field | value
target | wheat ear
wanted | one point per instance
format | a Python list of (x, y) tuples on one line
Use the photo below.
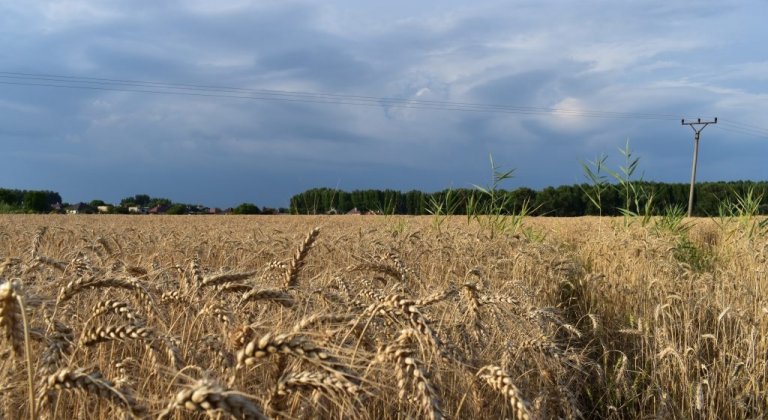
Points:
[(500, 381), (296, 346), (275, 295), (211, 398), (292, 274), (410, 371), (92, 383), (11, 316)]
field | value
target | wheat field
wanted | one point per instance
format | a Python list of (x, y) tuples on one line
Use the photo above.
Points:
[(380, 318)]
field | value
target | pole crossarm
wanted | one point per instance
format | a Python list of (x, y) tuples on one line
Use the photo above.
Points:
[(698, 126)]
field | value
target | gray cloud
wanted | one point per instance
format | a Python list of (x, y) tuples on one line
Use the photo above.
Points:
[(652, 57)]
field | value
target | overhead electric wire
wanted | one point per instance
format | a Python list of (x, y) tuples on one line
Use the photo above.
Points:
[(324, 96), (72, 82), (745, 128), (333, 99), (747, 132), (200, 90)]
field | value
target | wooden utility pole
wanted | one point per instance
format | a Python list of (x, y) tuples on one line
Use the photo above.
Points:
[(697, 135)]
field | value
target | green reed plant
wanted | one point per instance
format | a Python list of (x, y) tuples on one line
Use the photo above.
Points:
[(594, 172), (672, 220), (638, 201), (493, 207), (442, 205), (744, 209)]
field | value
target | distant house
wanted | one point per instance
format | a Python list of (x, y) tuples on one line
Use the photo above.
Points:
[(57, 207), (104, 209), (80, 208), (356, 211), (214, 210), (198, 209), (159, 209)]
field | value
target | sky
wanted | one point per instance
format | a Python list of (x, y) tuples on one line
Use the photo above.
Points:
[(573, 80)]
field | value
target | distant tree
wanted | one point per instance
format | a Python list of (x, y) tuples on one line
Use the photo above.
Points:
[(141, 199), (246, 208), (52, 197), (119, 210), (36, 201), (97, 203), (11, 197), (159, 202), (177, 209)]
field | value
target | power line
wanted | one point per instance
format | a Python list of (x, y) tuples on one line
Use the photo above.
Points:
[(405, 104), (737, 124), (312, 95), (121, 85), (201, 90), (744, 129)]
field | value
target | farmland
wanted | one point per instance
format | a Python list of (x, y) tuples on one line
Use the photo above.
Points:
[(382, 317)]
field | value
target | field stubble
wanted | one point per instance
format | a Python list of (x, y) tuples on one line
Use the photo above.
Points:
[(378, 317)]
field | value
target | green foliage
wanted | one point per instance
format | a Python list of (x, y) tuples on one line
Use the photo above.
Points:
[(119, 210), (494, 208), (440, 206), (246, 208), (673, 221), (36, 201), (744, 209), (599, 182), (638, 201), (6, 208), (177, 209), (646, 199), (687, 252), (141, 200), (636, 197)]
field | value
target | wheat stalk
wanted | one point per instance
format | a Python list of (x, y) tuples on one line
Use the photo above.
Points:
[(293, 345), (92, 383), (37, 240), (84, 283), (500, 381), (117, 307), (221, 279), (410, 372), (213, 399), (11, 316), (274, 295), (99, 334), (292, 274)]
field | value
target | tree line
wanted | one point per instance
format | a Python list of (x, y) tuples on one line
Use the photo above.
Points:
[(34, 201), (562, 201)]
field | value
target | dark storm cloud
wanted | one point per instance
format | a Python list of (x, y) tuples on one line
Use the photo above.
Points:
[(650, 57)]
